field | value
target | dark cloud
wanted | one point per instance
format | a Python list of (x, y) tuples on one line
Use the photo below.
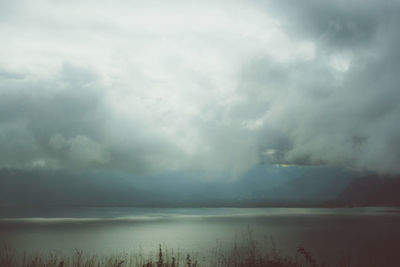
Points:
[(346, 120), (296, 83), (339, 24), (67, 122), (33, 113)]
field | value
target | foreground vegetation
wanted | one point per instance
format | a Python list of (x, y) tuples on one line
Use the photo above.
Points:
[(248, 252), (236, 256)]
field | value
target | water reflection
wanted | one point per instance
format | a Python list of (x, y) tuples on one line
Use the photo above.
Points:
[(331, 234)]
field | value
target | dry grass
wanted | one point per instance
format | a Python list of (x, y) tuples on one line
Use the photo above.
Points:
[(245, 253), (237, 257)]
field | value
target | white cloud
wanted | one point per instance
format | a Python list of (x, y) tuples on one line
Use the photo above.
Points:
[(340, 62), (187, 84)]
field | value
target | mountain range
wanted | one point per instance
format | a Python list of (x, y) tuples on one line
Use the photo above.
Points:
[(259, 186)]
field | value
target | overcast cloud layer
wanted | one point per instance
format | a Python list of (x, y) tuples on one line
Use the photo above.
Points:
[(155, 86)]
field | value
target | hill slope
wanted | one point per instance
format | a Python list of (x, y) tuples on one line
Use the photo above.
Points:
[(373, 190)]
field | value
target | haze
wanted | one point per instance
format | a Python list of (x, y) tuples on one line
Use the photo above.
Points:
[(167, 93)]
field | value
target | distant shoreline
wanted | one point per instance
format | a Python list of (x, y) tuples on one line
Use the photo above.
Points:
[(326, 204)]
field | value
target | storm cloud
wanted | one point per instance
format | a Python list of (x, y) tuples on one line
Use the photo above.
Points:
[(151, 86)]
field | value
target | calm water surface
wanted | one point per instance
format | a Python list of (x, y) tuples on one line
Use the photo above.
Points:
[(355, 235)]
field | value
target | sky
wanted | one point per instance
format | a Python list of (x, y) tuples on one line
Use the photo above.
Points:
[(153, 87)]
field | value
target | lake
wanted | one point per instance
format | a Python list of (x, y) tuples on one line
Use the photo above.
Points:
[(333, 235)]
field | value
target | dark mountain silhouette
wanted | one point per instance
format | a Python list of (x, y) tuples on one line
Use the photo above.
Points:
[(65, 188), (259, 186), (373, 190), (316, 184)]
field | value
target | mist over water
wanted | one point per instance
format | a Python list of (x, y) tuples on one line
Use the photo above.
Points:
[(354, 235), (201, 104)]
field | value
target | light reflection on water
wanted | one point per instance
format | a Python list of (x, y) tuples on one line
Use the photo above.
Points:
[(330, 234)]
